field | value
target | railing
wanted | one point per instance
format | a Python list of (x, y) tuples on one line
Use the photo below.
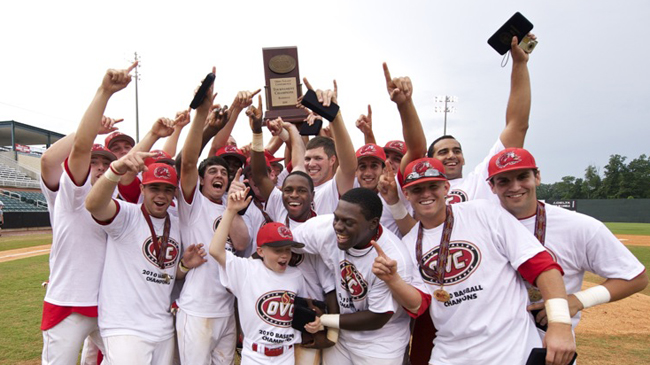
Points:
[(20, 184)]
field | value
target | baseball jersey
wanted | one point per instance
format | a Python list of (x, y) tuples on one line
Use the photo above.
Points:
[(318, 277), (203, 295), (474, 185), (581, 243), (358, 289), (265, 300), (134, 297), (326, 197), (485, 321), (78, 247)]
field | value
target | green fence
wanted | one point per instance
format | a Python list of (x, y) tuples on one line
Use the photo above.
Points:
[(615, 210)]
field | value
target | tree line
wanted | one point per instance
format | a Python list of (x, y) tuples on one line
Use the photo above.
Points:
[(619, 181)]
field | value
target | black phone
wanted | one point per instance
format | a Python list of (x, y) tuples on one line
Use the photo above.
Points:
[(517, 25), (310, 100), (203, 90), (538, 357), (534, 313), (311, 130)]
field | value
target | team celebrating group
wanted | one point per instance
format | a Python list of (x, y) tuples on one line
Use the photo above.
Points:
[(383, 255)]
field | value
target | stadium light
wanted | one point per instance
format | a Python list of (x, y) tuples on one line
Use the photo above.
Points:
[(446, 108)]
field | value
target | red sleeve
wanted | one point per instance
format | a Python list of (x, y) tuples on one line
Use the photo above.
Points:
[(131, 192), (289, 167), (536, 265), (424, 306)]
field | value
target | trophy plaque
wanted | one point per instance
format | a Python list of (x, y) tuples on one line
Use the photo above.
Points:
[(282, 85)]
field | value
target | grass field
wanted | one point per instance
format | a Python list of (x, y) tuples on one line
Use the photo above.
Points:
[(642, 229), (11, 243)]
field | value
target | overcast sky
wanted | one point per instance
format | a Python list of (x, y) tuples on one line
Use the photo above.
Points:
[(590, 75)]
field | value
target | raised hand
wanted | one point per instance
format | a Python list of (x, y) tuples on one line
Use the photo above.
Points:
[(116, 80), (326, 97), (384, 267), (244, 99), (238, 200), (163, 127), (194, 256), (206, 104), (108, 125), (364, 123), (236, 185), (218, 116), (518, 53), (387, 185), (400, 89), (255, 116), (246, 150), (132, 162), (182, 119), (275, 126)]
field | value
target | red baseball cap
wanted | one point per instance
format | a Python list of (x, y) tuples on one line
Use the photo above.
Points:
[(270, 157), (161, 156), (423, 170), (118, 136), (510, 159), (276, 234), (99, 150), (396, 146), (160, 173), (231, 151), (371, 150)]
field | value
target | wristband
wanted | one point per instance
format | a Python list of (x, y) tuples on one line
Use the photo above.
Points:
[(330, 320), (257, 144), (284, 135), (398, 210), (557, 311), (184, 269), (112, 175), (593, 296), (333, 334)]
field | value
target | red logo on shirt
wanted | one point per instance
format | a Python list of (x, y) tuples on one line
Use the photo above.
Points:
[(352, 281), (229, 245), (171, 253), (463, 260), (456, 196), (276, 308)]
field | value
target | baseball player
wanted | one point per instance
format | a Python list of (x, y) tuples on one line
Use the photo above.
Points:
[(265, 289), (467, 260), (395, 150), (76, 261), (322, 154), (142, 262), (373, 329), (205, 321), (577, 242)]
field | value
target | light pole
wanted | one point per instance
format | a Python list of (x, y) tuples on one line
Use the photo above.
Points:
[(446, 109), (137, 118)]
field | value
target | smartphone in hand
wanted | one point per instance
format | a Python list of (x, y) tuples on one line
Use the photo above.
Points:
[(203, 90), (517, 25)]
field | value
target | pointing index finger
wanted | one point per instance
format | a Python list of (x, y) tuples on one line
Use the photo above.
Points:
[(237, 175), (309, 87), (387, 73), (255, 92), (134, 65), (369, 111), (380, 252)]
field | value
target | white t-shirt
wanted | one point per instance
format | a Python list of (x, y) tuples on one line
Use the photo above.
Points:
[(581, 243), (485, 321), (319, 279), (326, 197), (474, 185), (283, 175), (203, 295), (78, 247), (265, 300), (50, 198), (358, 289), (134, 298)]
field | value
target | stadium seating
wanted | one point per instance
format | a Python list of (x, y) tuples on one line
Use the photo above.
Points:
[(23, 201)]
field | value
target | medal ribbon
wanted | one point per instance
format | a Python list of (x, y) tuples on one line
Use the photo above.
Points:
[(159, 246), (540, 222), (258, 204), (438, 274)]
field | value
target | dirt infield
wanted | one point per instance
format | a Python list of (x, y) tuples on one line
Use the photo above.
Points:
[(21, 253), (634, 240)]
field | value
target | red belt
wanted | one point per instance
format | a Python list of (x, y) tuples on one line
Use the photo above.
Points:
[(277, 351)]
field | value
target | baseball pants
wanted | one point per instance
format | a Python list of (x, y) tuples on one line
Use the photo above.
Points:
[(206, 340), (62, 343), (137, 350), (305, 356)]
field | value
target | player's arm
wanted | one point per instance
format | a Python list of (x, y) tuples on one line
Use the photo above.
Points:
[(241, 102), (79, 160), (364, 123), (171, 143), (295, 145), (236, 202), (518, 110), (239, 230), (400, 90), (387, 187), (99, 201), (405, 294), (52, 159), (193, 257), (258, 163)]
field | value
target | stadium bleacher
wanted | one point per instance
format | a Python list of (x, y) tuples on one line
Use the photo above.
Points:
[(23, 201)]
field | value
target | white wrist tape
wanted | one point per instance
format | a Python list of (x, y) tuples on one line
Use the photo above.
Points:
[(333, 334), (330, 320), (557, 311), (284, 135), (112, 176), (398, 210), (593, 296), (258, 142)]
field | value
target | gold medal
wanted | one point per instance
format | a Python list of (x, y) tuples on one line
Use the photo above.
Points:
[(534, 294), (166, 277), (441, 295)]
